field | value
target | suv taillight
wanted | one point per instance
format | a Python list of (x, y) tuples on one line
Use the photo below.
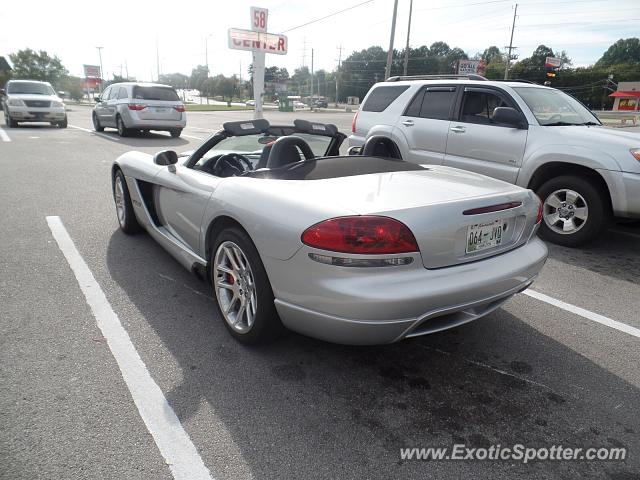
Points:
[(136, 106), (353, 122), (180, 108), (361, 235)]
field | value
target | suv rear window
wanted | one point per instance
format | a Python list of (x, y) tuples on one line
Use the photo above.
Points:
[(380, 98), (155, 93)]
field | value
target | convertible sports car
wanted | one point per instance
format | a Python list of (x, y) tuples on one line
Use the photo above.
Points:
[(357, 249)]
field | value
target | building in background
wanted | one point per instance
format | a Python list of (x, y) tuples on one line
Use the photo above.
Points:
[(627, 97)]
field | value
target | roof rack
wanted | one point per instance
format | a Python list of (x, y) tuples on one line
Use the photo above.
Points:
[(447, 76)]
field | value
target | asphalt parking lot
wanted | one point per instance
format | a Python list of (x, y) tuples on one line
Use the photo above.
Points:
[(554, 368)]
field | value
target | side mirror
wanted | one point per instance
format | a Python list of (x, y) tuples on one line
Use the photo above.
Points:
[(97, 99), (165, 157), (355, 151), (509, 117)]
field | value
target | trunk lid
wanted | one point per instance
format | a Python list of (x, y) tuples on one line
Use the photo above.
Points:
[(438, 205)]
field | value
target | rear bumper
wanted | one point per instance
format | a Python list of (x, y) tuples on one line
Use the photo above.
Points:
[(133, 120), (367, 306)]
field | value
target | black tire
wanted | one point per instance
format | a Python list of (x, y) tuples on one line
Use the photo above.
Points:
[(63, 124), (128, 222), (96, 123), (176, 132), (123, 131), (266, 325), (593, 197), (11, 123)]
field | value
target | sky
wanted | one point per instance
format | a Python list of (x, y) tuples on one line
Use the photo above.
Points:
[(129, 30)]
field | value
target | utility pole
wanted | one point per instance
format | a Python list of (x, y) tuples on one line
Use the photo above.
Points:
[(126, 68), (406, 50), (312, 73), (338, 73), (101, 71), (511, 47), (387, 70), (158, 58)]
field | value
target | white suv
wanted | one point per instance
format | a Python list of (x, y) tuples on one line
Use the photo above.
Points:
[(534, 136), (32, 101)]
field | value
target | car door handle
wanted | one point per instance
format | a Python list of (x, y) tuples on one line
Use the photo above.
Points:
[(408, 123), (458, 129)]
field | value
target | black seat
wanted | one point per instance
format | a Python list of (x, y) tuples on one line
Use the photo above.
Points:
[(264, 156), (379, 146), (286, 150), (475, 108)]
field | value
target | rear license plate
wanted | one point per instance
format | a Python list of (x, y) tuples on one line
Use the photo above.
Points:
[(483, 236), (160, 109)]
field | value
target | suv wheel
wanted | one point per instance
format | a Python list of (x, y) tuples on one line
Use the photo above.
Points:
[(96, 123), (63, 124), (176, 132), (574, 210), (122, 130), (11, 123)]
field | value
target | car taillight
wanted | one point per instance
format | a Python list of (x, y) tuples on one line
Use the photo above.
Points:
[(136, 106), (180, 108), (353, 122), (539, 217), (361, 235)]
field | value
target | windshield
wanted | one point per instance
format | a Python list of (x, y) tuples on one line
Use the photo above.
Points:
[(556, 108), (31, 88)]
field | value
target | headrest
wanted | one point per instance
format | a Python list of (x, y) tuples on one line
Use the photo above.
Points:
[(247, 127), (315, 128)]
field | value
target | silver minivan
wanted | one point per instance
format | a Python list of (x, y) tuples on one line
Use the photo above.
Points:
[(133, 106)]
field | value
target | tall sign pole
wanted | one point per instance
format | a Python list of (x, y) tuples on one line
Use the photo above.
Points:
[(259, 17), (259, 42), (387, 70)]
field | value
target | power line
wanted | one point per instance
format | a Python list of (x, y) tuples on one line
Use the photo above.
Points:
[(328, 16)]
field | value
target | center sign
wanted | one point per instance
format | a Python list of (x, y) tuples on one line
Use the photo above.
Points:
[(257, 41)]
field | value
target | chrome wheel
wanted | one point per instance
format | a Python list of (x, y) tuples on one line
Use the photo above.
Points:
[(235, 287), (118, 196), (565, 211)]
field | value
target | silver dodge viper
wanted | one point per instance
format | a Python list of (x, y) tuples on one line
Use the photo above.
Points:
[(358, 249)]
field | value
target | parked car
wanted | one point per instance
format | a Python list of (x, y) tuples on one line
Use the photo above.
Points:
[(320, 103), (534, 136), (299, 105), (133, 106), (32, 101), (358, 249)]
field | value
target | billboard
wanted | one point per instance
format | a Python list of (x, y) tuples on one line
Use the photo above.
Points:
[(257, 41), (92, 71), (552, 62), (466, 67)]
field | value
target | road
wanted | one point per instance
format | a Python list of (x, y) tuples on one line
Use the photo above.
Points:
[(533, 372)]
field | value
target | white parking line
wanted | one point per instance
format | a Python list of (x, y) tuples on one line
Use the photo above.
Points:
[(191, 136), (594, 317), (4, 136), (172, 440), (115, 139)]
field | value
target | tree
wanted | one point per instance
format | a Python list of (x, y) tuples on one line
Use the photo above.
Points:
[(176, 80), (28, 64), (533, 69), (198, 76), (73, 87), (300, 78), (491, 54), (623, 51)]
